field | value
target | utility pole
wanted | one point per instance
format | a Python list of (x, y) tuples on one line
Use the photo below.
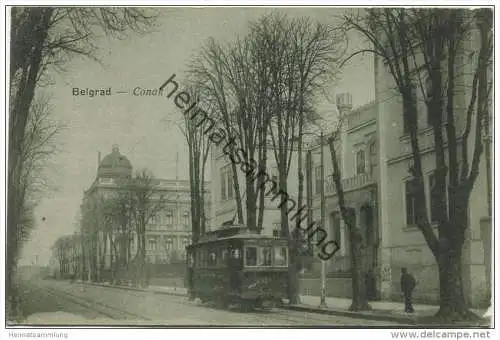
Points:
[(322, 303), (309, 193), (177, 206), (82, 259)]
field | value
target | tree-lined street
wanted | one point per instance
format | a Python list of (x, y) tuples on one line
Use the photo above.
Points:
[(106, 305), (408, 170)]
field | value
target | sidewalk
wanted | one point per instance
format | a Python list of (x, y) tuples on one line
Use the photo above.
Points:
[(381, 310)]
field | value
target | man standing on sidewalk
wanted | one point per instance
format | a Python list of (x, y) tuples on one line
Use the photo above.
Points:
[(408, 283)]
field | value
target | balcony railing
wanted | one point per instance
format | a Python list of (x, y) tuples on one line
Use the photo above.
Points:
[(351, 183)]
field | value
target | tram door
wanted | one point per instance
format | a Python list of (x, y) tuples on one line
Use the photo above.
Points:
[(235, 264)]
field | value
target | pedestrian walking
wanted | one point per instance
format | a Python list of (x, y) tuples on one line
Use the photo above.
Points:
[(408, 283)]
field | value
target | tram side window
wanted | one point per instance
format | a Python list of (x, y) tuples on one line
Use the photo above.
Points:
[(251, 256), (205, 257), (265, 256), (212, 257), (198, 258), (280, 256), (223, 256)]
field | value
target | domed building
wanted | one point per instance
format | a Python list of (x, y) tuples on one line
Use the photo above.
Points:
[(114, 165), (168, 229)]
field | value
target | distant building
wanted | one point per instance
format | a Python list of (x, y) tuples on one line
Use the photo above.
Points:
[(169, 230), (224, 206)]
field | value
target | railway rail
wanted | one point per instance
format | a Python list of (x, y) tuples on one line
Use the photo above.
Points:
[(97, 307)]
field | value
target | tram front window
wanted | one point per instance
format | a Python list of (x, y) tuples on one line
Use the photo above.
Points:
[(280, 256), (265, 256), (235, 254), (251, 256)]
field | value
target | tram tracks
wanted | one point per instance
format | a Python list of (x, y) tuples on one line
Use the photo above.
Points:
[(275, 317), (110, 308), (97, 307)]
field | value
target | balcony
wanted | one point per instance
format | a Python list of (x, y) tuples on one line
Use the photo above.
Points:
[(351, 183), (358, 181)]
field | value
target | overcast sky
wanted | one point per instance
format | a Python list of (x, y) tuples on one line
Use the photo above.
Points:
[(138, 124)]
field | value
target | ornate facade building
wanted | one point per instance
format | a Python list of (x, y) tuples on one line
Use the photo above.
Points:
[(374, 156), (168, 230)]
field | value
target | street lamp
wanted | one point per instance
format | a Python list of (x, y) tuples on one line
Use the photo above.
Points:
[(322, 221), (322, 303)]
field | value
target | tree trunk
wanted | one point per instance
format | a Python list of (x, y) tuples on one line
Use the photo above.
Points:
[(192, 189), (452, 305), (452, 301), (202, 198), (196, 197), (293, 279), (251, 200), (18, 118), (114, 259), (143, 255), (293, 275), (261, 189), (237, 194), (359, 298), (300, 196)]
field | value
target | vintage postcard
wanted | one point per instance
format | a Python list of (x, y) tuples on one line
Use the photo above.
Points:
[(249, 166)]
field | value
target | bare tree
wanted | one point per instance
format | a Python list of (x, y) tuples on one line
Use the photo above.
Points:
[(37, 150), (44, 38), (119, 217), (263, 86), (75, 254), (423, 48), (199, 143), (207, 73), (359, 296), (61, 250), (302, 57), (147, 201)]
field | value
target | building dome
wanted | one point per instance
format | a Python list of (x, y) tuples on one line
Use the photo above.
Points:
[(114, 165)]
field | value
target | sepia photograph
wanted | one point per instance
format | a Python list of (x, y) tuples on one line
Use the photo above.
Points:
[(247, 166)]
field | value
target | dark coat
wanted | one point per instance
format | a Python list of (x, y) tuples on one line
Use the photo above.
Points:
[(408, 283)]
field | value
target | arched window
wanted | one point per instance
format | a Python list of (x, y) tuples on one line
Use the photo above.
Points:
[(185, 218), (169, 218)]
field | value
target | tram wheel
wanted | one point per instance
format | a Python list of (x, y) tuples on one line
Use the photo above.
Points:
[(267, 305), (221, 301), (247, 305)]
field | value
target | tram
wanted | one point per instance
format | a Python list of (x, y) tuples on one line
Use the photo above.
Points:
[(234, 265)]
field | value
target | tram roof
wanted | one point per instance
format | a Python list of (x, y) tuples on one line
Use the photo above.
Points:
[(233, 232)]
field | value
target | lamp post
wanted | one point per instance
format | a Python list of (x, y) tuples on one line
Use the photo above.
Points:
[(322, 210), (322, 303)]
